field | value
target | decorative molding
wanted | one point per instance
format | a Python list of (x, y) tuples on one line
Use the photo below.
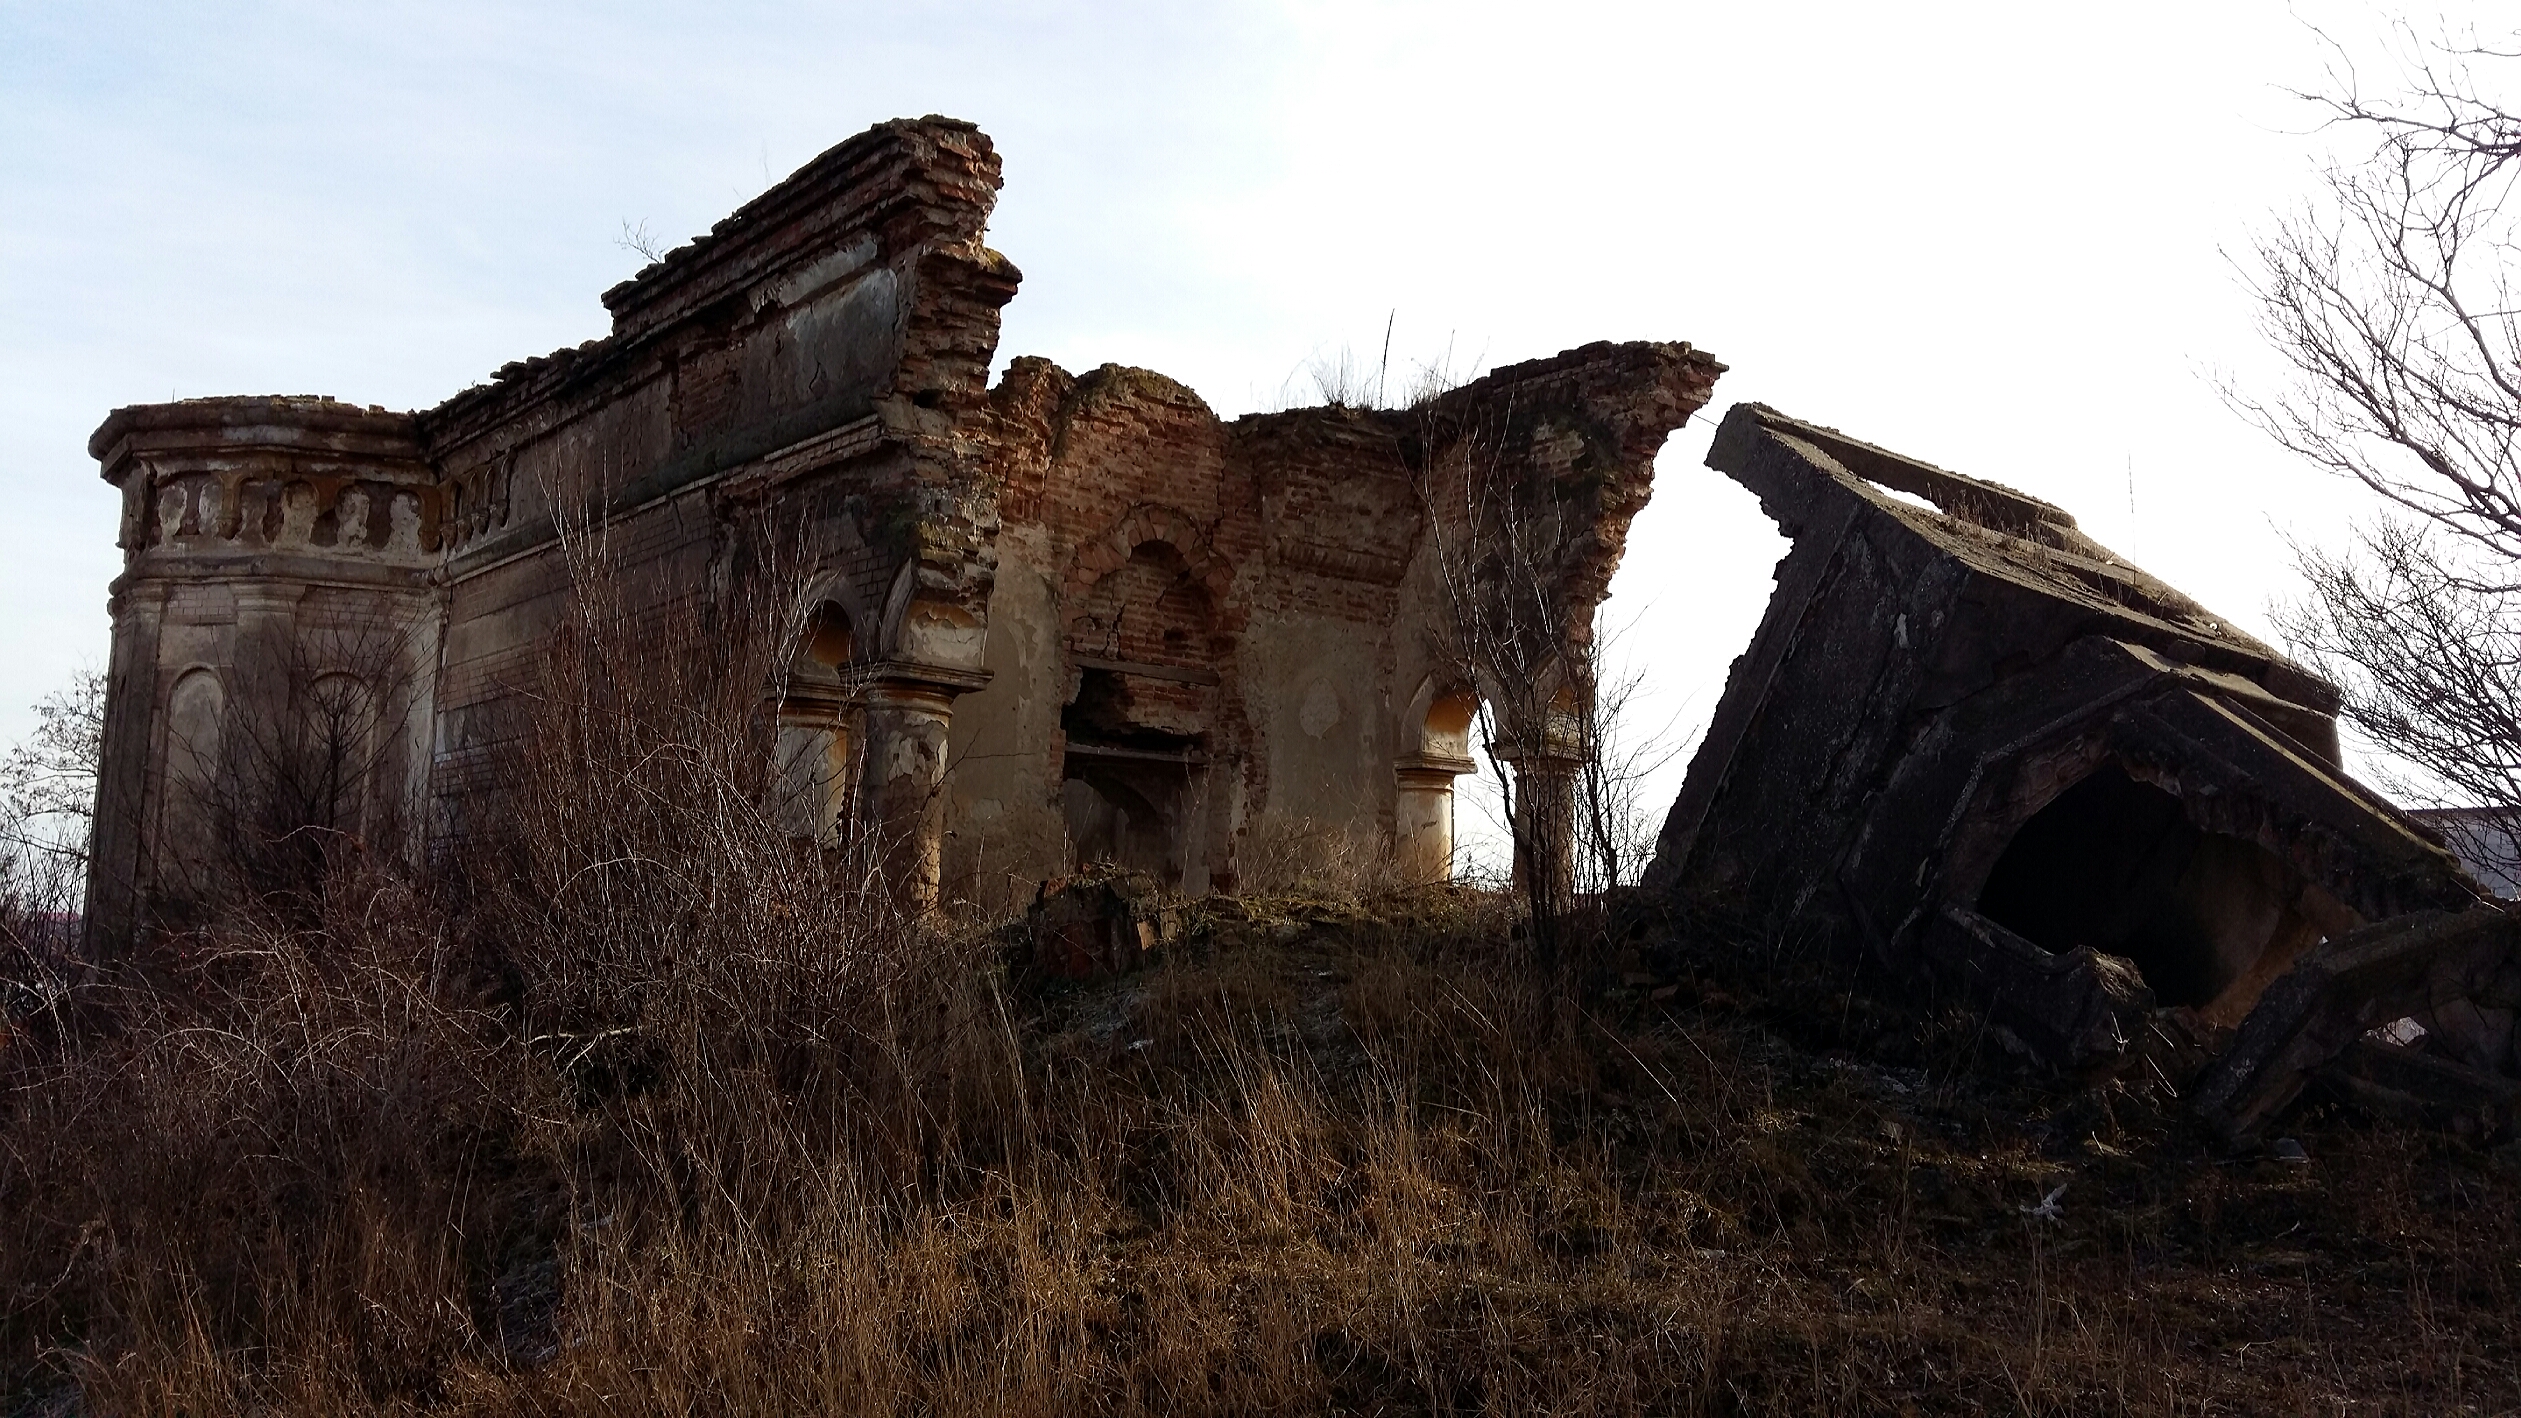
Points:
[(813, 453)]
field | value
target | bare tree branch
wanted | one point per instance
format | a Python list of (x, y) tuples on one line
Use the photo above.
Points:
[(2390, 296)]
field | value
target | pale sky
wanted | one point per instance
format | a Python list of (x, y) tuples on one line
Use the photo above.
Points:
[(1990, 236)]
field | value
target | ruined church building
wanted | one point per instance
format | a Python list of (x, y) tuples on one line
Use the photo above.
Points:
[(1067, 618), (1079, 618)]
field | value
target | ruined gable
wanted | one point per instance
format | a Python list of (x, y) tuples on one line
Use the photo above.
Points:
[(1249, 617)]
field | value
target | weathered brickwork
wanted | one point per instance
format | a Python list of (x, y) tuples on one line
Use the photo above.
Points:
[(1067, 617)]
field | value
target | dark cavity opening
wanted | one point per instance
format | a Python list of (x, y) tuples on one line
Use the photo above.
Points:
[(1123, 817), (1103, 714), (2114, 864), (1129, 792)]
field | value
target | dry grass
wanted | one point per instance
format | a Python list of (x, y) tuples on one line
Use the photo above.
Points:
[(1317, 1161), (665, 1116), (1302, 856)]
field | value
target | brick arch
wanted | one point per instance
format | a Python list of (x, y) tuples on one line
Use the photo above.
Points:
[(1099, 556), (845, 593), (1439, 717)]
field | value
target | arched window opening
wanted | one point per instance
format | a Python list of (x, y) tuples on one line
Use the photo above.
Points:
[(827, 644), (1423, 825)]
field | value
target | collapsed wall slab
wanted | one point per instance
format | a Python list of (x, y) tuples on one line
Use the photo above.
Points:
[(2451, 980), (1976, 744)]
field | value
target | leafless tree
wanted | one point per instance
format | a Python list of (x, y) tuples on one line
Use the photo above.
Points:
[(1505, 635), (47, 816), (1552, 722), (2389, 294), (1615, 824), (48, 799)]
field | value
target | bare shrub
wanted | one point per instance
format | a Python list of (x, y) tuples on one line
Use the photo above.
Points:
[(48, 804), (260, 1175), (1615, 822), (47, 824), (312, 763), (47, 811), (1616, 814)]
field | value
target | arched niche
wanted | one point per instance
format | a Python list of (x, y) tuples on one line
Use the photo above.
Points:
[(817, 745), (196, 707), (828, 643), (1440, 751), (337, 732), (1142, 641), (1446, 727), (1153, 608), (190, 758)]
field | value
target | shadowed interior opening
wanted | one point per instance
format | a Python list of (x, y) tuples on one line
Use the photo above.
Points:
[(1125, 815), (828, 641), (2115, 864)]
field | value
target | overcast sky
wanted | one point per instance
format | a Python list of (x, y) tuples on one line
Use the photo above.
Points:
[(1989, 236)]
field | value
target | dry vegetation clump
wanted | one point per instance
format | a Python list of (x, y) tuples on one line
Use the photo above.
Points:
[(654, 1112), (1281, 856)]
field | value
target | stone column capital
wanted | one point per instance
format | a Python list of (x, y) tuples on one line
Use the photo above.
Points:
[(1550, 759), (1431, 770), (904, 684)]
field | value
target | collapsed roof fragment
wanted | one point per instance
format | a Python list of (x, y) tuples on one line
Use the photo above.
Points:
[(1986, 749)]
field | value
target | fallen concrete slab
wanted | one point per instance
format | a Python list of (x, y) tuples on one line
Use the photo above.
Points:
[(1991, 752), (2455, 976)]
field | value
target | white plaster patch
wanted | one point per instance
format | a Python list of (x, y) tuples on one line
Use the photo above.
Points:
[(404, 514), (943, 635), (1321, 709), (350, 519), (297, 514)]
